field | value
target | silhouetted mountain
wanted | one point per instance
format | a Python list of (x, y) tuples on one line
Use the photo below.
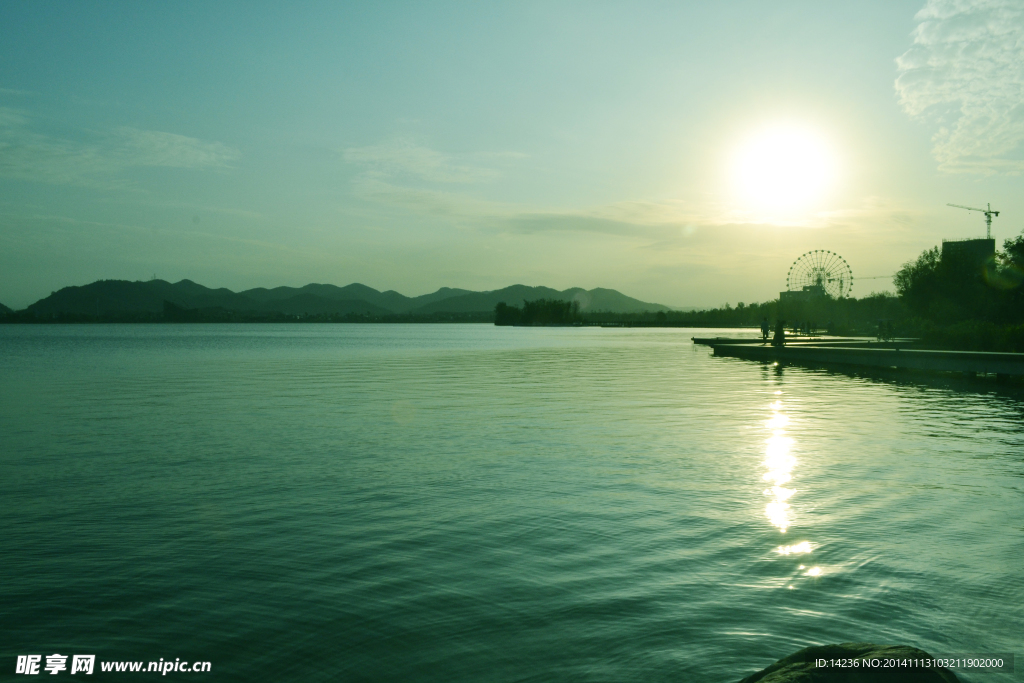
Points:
[(106, 297), (313, 305), (391, 301), (614, 301), (593, 300), (121, 297), (439, 295), (4, 310), (353, 292)]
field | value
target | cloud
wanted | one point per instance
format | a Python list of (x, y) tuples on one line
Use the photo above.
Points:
[(156, 148), (659, 220), (875, 210), (399, 174), (98, 159), (649, 213), (964, 75), (404, 158), (666, 224), (635, 219), (12, 118), (579, 221), (428, 202)]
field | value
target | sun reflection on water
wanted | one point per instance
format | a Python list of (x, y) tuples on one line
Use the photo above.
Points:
[(795, 549), (780, 463)]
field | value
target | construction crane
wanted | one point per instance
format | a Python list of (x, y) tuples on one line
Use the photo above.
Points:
[(988, 216)]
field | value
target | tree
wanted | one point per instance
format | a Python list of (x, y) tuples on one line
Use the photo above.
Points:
[(506, 315), (917, 282), (538, 312), (961, 288)]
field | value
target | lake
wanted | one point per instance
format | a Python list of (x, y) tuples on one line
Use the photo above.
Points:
[(480, 503)]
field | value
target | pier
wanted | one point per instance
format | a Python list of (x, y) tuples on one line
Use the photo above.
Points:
[(867, 353)]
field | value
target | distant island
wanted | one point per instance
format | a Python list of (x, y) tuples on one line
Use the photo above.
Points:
[(187, 301)]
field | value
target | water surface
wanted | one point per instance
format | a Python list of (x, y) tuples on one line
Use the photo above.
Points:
[(469, 503)]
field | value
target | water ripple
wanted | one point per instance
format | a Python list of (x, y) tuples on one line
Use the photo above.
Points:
[(345, 502)]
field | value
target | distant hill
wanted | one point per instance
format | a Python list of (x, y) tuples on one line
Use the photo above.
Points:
[(106, 297), (593, 300), (4, 310), (112, 297), (613, 301), (312, 304), (390, 301), (440, 295), (122, 297)]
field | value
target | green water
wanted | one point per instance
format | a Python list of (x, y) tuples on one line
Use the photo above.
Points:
[(472, 503)]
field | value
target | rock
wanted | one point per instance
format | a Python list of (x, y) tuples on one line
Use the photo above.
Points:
[(802, 667)]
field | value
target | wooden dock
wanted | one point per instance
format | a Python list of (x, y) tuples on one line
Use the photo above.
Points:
[(875, 355), (797, 340), (804, 339)]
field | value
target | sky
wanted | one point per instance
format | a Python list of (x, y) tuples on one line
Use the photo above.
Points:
[(681, 153)]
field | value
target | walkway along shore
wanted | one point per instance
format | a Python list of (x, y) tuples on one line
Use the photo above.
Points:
[(863, 352)]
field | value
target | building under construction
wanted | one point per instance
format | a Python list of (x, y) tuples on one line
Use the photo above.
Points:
[(805, 293), (973, 252), (972, 255)]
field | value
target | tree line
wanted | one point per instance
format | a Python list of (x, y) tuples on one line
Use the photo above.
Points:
[(538, 312), (953, 302), (960, 303)]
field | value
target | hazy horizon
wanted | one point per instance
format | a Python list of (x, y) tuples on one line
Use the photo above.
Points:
[(682, 155)]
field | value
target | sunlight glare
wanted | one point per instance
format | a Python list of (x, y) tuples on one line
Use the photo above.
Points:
[(783, 168), (795, 549)]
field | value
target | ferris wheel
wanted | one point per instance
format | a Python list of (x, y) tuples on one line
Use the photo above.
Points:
[(822, 271)]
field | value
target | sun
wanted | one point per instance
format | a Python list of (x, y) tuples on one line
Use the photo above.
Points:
[(783, 168)]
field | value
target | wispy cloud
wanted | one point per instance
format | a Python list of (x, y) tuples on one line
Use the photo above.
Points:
[(874, 210), (98, 160), (12, 118), (427, 201), (640, 219), (964, 75), (651, 213), (406, 175), (157, 148), (406, 159), (659, 224), (486, 214), (574, 221), (128, 229)]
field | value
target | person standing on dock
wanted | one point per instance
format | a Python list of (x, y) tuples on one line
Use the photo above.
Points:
[(765, 329), (780, 333)]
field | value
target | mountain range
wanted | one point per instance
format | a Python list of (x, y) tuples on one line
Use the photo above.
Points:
[(118, 297)]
